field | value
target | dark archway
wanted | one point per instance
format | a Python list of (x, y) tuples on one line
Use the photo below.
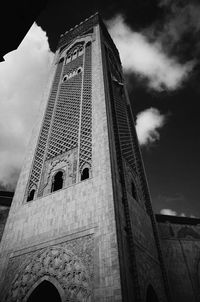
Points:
[(45, 291), (57, 183), (31, 195), (85, 174), (151, 295)]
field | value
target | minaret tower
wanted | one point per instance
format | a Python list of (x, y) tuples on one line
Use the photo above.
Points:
[(81, 226)]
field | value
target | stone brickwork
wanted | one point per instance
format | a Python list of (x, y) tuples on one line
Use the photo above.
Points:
[(90, 238), (180, 238), (76, 209), (136, 223)]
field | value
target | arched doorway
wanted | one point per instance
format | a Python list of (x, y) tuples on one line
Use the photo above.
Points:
[(151, 295), (45, 291)]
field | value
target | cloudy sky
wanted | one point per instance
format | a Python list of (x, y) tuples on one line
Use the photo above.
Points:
[(160, 53)]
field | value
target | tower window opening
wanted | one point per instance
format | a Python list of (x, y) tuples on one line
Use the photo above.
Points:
[(88, 44), (65, 78), (57, 183), (79, 70), (31, 195), (133, 190), (74, 54), (85, 174), (61, 60), (68, 59), (80, 51)]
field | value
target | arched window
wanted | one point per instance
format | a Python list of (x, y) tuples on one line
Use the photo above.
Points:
[(43, 291), (151, 294), (79, 70), (65, 78), (68, 59), (31, 195), (133, 190), (80, 51), (57, 183), (88, 43), (85, 174), (61, 60), (74, 54)]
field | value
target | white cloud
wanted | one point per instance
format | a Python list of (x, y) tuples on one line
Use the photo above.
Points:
[(23, 76), (147, 60), (173, 213), (147, 124), (168, 212)]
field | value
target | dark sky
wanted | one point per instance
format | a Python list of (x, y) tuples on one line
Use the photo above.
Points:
[(172, 162)]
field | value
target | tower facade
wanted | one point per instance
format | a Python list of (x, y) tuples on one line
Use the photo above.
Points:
[(81, 224)]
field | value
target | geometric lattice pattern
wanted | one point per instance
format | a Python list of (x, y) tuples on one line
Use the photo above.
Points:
[(65, 126), (42, 142), (68, 119), (120, 103), (126, 131), (85, 155)]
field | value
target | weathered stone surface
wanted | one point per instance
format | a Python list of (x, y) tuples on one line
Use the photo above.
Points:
[(91, 239), (180, 238)]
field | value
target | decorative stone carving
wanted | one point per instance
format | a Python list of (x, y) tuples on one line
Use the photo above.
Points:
[(67, 162), (71, 264)]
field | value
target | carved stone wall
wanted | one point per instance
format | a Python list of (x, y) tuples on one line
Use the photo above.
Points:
[(67, 122), (181, 250), (136, 213), (67, 162), (70, 263)]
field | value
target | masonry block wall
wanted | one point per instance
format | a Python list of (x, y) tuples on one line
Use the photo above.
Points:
[(180, 239), (91, 234)]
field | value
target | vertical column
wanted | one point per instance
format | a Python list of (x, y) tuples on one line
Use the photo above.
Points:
[(85, 155)]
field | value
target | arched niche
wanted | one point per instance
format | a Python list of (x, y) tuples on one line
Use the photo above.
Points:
[(85, 172), (44, 291), (57, 181), (58, 266), (31, 195)]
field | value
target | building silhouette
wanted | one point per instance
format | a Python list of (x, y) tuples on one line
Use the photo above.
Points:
[(81, 225)]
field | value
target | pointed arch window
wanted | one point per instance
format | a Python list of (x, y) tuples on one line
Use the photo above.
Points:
[(57, 182), (85, 174), (75, 54), (31, 195)]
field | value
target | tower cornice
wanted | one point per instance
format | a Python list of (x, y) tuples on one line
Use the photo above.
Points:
[(79, 29), (82, 28)]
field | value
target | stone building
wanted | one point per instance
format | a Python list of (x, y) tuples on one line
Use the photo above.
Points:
[(5, 203), (180, 241), (81, 225)]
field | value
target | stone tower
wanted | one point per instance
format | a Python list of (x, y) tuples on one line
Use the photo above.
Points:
[(81, 226)]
